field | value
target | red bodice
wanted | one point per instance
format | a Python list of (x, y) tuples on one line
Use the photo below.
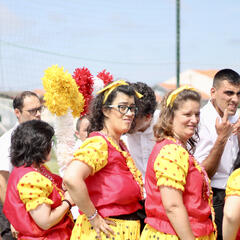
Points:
[(113, 190), (197, 206), (16, 213)]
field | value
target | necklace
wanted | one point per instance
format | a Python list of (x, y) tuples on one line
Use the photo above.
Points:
[(112, 138), (205, 188), (121, 147), (42, 170), (179, 142)]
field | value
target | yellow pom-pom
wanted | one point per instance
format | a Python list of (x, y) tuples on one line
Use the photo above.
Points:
[(62, 92)]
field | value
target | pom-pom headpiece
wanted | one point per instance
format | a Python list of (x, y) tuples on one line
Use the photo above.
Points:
[(105, 76), (63, 99), (84, 80), (61, 92)]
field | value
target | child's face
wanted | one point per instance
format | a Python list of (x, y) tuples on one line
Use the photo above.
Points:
[(82, 133)]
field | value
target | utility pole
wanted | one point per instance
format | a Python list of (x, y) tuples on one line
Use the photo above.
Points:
[(178, 43)]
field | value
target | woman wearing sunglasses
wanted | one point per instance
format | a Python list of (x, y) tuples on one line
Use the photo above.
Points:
[(102, 178)]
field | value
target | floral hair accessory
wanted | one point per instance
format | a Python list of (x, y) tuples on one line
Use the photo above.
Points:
[(84, 81), (110, 87), (62, 92), (171, 98)]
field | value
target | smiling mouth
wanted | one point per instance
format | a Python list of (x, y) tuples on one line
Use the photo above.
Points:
[(232, 106), (127, 120)]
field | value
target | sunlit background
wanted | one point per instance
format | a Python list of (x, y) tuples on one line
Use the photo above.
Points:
[(133, 39)]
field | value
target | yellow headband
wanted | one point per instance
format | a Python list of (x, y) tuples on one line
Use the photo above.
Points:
[(171, 98), (110, 87)]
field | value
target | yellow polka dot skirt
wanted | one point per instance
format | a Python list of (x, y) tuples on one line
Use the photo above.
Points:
[(124, 230), (150, 233)]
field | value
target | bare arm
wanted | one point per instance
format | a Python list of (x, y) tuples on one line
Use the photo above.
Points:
[(224, 130), (3, 184), (45, 217), (74, 177), (176, 212), (231, 218)]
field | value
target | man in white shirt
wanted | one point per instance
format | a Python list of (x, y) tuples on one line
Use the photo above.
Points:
[(217, 147), (27, 107), (140, 139)]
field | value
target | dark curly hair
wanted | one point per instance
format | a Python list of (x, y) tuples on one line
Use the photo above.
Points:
[(31, 143), (148, 103), (164, 127), (96, 117)]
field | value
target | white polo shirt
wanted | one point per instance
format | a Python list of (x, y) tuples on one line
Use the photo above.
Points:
[(5, 143), (140, 145), (208, 136)]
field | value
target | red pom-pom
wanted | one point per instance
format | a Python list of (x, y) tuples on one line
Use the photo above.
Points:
[(84, 80), (105, 76)]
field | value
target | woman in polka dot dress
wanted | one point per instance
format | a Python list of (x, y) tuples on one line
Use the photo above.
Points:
[(102, 178), (179, 198), (36, 204)]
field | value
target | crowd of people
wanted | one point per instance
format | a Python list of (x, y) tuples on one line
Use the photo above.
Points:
[(137, 172)]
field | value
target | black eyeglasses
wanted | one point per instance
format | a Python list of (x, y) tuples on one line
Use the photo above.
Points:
[(34, 111), (123, 109)]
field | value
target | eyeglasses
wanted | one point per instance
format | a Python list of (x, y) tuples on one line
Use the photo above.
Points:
[(34, 111), (123, 109)]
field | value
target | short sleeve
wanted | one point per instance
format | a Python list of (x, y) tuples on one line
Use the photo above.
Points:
[(171, 166), (93, 152), (233, 184), (34, 190)]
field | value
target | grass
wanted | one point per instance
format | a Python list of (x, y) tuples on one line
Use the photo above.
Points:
[(52, 164)]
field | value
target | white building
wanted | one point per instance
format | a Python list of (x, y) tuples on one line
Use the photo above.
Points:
[(200, 79)]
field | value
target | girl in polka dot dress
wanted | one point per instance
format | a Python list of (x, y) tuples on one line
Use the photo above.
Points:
[(35, 203), (102, 177), (179, 198)]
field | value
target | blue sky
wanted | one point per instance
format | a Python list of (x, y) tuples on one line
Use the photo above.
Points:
[(133, 39)]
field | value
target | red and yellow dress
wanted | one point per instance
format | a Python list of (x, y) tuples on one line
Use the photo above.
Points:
[(172, 166), (233, 189), (114, 186), (27, 189)]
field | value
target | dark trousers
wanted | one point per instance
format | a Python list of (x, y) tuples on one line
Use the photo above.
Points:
[(218, 204), (6, 233)]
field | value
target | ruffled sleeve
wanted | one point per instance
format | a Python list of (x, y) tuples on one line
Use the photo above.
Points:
[(34, 190), (93, 152), (233, 184), (171, 166)]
